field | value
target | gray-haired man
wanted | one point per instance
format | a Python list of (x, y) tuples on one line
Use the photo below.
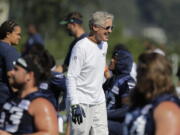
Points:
[(85, 78)]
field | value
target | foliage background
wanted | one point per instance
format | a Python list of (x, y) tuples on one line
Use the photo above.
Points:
[(131, 17)]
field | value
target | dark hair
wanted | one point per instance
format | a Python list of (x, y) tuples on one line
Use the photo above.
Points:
[(154, 77), (39, 49), (42, 60), (74, 15), (39, 64), (36, 48), (7, 27)]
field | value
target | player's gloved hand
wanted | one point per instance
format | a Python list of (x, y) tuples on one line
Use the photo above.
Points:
[(77, 114)]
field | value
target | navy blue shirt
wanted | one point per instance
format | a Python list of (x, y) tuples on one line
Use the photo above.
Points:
[(8, 54), (33, 39)]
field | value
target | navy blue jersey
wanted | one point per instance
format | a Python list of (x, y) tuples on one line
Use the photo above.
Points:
[(44, 88), (54, 89), (121, 83), (117, 88), (140, 121), (57, 83), (14, 116), (8, 54)]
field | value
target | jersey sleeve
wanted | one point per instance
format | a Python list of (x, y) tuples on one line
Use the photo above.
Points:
[(126, 88)]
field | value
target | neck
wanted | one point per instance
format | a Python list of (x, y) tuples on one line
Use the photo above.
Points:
[(79, 32), (93, 39), (6, 41), (28, 90)]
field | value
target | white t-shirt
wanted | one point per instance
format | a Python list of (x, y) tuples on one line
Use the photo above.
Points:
[(86, 72)]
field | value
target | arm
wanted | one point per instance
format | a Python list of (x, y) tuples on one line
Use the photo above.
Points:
[(4, 133), (117, 114), (58, 81), (167, 119), (107, 73), (45, 117), (122, 96), (58, 68), (74, 70)]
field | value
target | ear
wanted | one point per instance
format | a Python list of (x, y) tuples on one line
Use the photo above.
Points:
[(30, 76), (95, 28), (8, 34), (73, 24)]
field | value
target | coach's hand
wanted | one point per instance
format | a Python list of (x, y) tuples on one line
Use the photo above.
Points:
[(77, 114)]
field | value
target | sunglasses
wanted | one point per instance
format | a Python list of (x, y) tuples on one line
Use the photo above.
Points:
[(106, 28)]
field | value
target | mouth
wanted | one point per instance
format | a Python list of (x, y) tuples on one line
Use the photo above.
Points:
[(106, 35)]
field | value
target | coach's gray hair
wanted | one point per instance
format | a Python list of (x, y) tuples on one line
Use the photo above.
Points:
[(99, 18)]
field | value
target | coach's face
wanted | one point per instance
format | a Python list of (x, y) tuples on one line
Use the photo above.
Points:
[(103, 32)]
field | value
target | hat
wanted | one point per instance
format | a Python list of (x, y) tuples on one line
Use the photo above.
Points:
[(70, 20), (21, 62), (26, 63), (72, 17)]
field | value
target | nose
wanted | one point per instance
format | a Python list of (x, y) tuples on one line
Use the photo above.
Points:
[(19, 37), (12, 72), (110, 30), (112, 60)]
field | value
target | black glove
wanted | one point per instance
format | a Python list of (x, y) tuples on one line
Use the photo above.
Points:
[(77, 114)]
